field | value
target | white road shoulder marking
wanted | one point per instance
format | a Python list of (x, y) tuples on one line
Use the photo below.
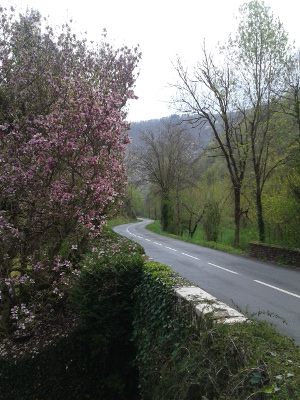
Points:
[(276, 288), (196, 258), (170, 248), (225, 269)]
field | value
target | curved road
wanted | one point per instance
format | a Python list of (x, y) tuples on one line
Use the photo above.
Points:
[(244, 283)]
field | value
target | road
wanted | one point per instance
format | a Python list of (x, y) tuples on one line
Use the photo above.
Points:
[(244, 283)]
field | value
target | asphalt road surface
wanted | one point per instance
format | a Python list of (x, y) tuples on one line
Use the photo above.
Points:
[(244, 283)]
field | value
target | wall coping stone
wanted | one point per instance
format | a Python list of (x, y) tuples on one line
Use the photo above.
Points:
[(204, 303)]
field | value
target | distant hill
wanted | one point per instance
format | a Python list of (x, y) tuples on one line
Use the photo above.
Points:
[(203, 133)]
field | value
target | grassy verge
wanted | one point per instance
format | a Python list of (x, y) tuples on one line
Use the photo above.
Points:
[(197, 239)]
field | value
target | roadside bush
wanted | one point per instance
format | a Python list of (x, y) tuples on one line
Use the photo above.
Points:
[(103, 298), (86, 353), (211, 221), (61, 370), (158, 328)]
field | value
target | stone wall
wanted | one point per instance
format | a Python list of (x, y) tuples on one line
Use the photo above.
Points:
[(275, 254)]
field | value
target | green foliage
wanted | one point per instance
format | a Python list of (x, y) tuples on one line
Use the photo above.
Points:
[(283, 213), (184, 361), (62, 370), (211, 222), (103, 297), (135, 199), (96, 360), (232, 362), (157, 326)]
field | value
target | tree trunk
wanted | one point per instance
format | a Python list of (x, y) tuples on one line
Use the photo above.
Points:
[(259, 208), (260, 219), (178, 214), (165, 213), (237, 215)]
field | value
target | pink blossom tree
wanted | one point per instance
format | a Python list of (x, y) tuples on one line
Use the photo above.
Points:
[(62, 142)]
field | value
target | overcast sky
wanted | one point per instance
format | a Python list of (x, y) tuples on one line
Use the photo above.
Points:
[(162, 28)]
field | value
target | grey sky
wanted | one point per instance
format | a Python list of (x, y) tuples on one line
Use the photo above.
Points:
[(162, 28)]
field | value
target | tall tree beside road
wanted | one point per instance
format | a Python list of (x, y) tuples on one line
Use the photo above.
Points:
[(260, 55), (209, 96)]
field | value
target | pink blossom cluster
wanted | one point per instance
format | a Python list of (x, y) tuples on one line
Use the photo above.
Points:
[(62, 145), (22, 318)]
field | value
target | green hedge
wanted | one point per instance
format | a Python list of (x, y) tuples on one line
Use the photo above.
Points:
[(178, 360), (104, 300), (61, 371), (97, 360)]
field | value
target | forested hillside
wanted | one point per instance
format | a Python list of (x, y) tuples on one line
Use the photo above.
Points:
[(201, 133)]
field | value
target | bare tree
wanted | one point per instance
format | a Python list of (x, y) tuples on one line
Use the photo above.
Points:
[(194, 212), (209, 96), (166, 159)]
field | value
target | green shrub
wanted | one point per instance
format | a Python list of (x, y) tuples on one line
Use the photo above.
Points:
[(96, 360), (103, 297), (211, 221), (61, 370), (158, 328)]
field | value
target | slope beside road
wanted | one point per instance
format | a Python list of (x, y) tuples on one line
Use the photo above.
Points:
[(270, 291)]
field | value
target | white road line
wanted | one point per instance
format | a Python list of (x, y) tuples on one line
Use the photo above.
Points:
[(170, 248), (148, 240), (140, 237), (225, 269), (190, 256), (159, 244), (280, 290)]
